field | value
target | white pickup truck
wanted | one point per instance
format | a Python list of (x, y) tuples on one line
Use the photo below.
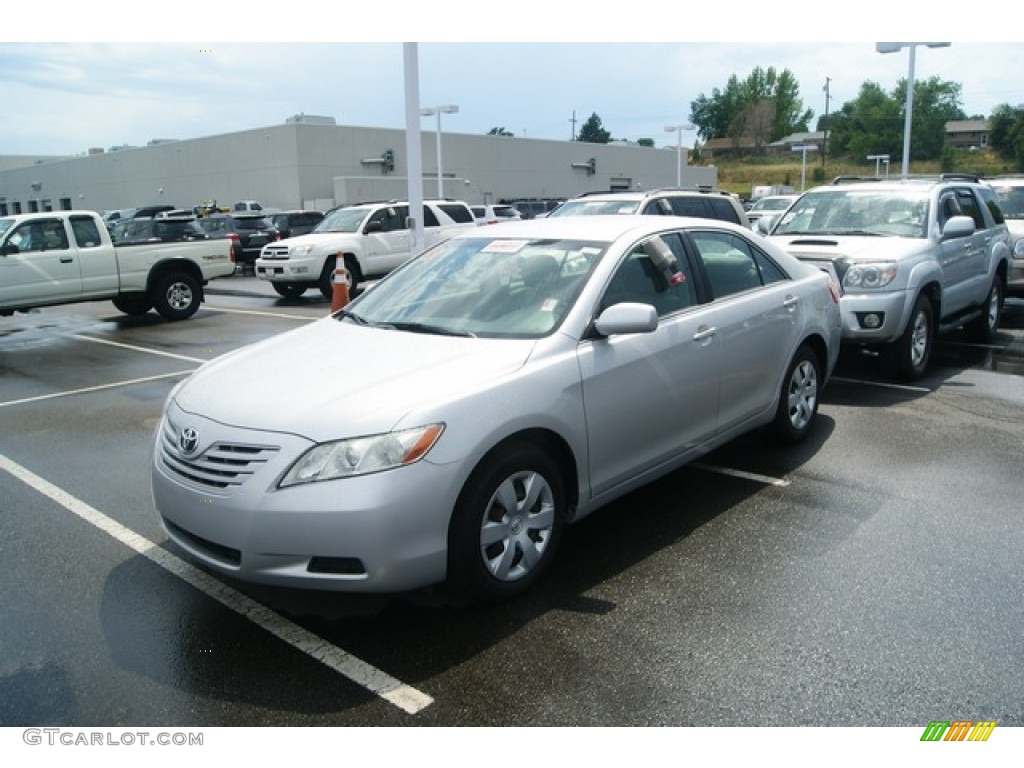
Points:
[(65, 257)]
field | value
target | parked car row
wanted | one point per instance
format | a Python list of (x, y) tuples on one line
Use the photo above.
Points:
[(515, 378)]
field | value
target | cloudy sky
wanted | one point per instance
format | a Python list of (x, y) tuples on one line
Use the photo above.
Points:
[(66, 93)]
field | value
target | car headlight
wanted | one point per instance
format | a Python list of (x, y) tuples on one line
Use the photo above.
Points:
[(873, 275), (300, 250), (362, 455)]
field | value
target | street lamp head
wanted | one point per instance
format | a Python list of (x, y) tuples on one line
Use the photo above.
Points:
[(681, 127), (449, 109)]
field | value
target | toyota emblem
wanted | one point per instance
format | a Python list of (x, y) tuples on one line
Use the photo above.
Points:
[(188, 441)]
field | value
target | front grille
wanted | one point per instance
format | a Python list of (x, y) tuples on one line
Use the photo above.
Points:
[(221, 466), (275, 252)]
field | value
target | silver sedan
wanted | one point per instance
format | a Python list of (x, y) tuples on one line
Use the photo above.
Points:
[(447, 424)]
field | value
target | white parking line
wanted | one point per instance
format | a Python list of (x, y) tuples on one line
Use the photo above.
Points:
[(97, 388), (266, 314), (135, 348), (884, 384), (741, 474), (388, 688)]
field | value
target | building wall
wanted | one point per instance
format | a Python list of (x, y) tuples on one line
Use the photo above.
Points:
[(308, 165)]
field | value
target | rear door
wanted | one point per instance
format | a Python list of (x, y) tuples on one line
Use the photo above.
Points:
[(755, 314), (38, 264)]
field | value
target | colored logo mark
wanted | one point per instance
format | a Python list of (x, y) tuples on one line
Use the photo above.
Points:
[(958, 730)]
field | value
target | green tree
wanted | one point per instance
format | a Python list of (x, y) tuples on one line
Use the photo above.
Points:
[(764, 108), (1006, 134), (872, 124), (499, 132), (593, 132)]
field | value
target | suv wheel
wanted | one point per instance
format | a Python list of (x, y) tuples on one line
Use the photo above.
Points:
[(984, 327), (913, 349)]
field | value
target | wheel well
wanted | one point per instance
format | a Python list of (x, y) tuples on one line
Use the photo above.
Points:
[(820, 349), (934, 293), (556, 447), (189, 267)]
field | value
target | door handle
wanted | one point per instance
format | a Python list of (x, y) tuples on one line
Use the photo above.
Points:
[(704, 333), (791, 302), (66, 259)]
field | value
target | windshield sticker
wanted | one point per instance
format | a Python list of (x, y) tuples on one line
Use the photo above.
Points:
[(504, 246)]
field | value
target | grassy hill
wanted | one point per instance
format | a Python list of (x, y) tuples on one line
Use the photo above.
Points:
[(740, 175)]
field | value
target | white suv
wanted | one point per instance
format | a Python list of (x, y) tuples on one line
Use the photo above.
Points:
[(371, 238)]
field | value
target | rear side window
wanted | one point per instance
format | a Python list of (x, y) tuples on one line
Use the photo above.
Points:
[(724, 210), (689, 206), (87, 234), (458, 213)]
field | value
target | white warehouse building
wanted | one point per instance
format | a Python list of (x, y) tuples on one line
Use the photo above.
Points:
[(312, 163)]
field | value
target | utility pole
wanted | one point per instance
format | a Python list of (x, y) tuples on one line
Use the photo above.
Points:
[(572, 136), (824, 135)]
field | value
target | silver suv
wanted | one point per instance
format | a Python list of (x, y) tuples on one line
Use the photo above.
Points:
[(913, 257), (698, 202), (1010, 197)]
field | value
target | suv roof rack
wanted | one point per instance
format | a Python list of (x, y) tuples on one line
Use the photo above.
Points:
[(849, 179)]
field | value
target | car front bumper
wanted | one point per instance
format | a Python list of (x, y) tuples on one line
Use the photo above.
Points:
[(873, 318), (382, 533)]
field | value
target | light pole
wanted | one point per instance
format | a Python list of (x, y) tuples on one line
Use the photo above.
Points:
[(909, 109), (803, 149), (679, 147), (447, 109)]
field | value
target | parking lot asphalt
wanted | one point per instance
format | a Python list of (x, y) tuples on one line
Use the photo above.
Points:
[(869, 577)]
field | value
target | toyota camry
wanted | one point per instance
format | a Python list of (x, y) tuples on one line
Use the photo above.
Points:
[(447, 424)]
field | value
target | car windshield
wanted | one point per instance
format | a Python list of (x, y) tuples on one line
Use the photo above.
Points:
[(857, 212), (595, 207), (481, 286), (343, 220), (772, 204), (1011, 201)]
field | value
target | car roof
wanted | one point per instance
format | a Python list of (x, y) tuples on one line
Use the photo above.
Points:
[(598, 228)]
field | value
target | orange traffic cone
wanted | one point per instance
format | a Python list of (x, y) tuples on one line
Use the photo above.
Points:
[(339, 298)]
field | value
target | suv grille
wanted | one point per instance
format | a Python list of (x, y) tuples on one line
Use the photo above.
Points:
[(275, 252), (222, 465)]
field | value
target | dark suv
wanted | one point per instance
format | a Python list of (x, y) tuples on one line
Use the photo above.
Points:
[(166, 230), (248, 233), (697, 202), (295, 223)]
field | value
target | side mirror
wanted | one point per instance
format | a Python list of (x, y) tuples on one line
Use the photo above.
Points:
[(373, 226), (764, 224), (958, 226), (627, 318)]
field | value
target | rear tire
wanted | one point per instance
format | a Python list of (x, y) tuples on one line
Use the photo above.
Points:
[(798, 399), (177, 296), (507, 524)]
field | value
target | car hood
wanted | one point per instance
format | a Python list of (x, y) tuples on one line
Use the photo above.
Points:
[(320, 239), (332, 379), (854, 247)]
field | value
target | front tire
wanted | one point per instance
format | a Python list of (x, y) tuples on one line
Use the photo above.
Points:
[(507, 524), (984, 328), (798, 400), (177, 296), (911, 352), (134, 304), (289, 290), (353, 276)]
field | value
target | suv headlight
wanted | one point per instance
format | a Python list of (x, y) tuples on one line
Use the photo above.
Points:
[(869, 276), (362, 455), (300, 250), (1018, 249)]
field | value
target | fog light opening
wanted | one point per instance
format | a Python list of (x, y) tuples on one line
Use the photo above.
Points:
[(871, 320)]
